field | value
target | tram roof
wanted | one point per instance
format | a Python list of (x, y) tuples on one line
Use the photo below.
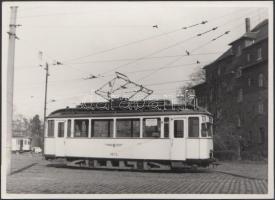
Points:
[(130, 108)]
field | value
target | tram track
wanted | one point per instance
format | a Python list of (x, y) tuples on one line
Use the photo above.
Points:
[(238, 175), (183, 170)]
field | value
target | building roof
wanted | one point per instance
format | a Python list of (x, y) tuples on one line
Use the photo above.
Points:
[(248, 35), (199, 85), (226, 54), (258, 33)]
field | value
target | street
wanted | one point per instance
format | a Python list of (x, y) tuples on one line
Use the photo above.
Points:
[(39, 176)]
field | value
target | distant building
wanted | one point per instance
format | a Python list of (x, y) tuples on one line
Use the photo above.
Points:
[(236, 90)]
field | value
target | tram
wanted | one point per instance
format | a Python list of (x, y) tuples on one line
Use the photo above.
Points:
[(121, 134)]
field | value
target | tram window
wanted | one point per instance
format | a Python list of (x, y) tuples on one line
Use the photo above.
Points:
[(60, 130), (206, 129), (210, 130), (178, 128), (69, 128), (166, 127), (50, 128), (81, 127), (193, 124), (128, 128), (102, 128), (151, 128)]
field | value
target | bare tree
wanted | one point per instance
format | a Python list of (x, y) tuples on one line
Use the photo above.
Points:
[(196, 77)]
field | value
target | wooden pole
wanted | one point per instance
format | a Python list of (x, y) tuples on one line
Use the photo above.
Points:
[(10, 81), (45, 104)]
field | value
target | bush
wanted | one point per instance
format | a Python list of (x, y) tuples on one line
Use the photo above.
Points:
[(225, 155), (252, 155)]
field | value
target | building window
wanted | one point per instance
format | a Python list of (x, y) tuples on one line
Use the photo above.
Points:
[(151, 128), (239, 72), (259, 54), (261, 80), (238, 121), (50, 128), (81, 127), (60, 129), (219, 71), (239, 50), (229, 87), (69, 125), (249, 82), (248, 57), (178, 128), (262, 135), (240, 95), (211, 95), (129, 128), (193, 127), (250, 136), (102, 128), (261, 108), (219, 113), (166, 127)]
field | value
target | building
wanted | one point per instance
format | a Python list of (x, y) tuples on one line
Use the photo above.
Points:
[(236, 91)]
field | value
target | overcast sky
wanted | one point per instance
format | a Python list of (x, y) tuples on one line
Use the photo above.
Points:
[(74, 33)]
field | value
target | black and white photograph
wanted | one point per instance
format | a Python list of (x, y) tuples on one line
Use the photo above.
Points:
[(137, 100)]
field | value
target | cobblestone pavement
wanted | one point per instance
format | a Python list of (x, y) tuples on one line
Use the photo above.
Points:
[(44, 178)]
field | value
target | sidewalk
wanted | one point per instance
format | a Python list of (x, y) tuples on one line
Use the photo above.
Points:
[(24, 160), (250, 169)]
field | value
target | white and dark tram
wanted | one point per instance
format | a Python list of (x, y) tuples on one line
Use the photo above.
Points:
[(140, 135)]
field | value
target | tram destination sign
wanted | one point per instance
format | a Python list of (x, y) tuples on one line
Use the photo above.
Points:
[(117, 105)]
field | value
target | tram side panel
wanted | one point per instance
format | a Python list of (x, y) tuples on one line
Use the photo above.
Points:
[(206, 147), (151, 149), (180, 148)]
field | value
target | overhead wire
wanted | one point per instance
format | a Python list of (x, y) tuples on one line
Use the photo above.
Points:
[(22, 67), (135, 59), (141, 58), (146, 70), (137, 41), (199, 47)]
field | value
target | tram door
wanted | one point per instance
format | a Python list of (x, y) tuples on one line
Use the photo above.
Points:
[(178, 139), (60, 138)]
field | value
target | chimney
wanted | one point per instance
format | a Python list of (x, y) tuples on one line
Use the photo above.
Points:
[(247, 25)]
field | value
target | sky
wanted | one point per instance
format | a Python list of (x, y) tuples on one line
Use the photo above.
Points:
[(99, 38)]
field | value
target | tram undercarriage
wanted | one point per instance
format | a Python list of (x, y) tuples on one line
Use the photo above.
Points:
[(125, 164)]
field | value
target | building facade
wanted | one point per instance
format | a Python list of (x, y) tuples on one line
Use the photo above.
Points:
[(236, 91)]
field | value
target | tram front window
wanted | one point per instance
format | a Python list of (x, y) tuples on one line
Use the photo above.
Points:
[(206, 129), (193, 127), (151, 128)]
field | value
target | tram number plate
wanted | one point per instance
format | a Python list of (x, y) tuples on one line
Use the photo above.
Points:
[(114, 154)]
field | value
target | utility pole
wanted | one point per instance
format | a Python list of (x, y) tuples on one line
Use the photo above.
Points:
[(45, 103), (46, 92), (10, 77)]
